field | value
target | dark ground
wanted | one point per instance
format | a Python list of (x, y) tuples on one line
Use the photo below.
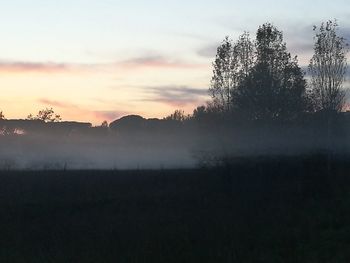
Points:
[(293, 209)]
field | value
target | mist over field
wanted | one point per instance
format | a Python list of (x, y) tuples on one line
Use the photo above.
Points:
[(133, 142), (88, 151)]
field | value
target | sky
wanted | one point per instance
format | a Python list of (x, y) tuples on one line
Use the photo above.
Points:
[(95, 60)]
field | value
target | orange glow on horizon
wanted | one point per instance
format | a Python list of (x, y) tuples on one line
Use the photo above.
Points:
[(106, 93)]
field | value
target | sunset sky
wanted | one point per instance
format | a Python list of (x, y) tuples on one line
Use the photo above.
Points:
[(95, 60)]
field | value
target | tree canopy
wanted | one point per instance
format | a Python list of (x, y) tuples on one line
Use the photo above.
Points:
[(327, 68), (274, 87), (46, 115), (258, 79)]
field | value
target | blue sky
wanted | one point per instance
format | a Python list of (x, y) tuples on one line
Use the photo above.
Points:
[(95, 60)]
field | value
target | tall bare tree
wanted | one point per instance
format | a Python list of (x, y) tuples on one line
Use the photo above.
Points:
[(328, 68), (232, 63), (222, 80), (244, 52)]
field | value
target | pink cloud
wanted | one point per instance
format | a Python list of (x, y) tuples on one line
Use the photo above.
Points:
[(157, 62), (19, 67), (48, 67), (54, 67), (55, 103), (176, 96), (109, 115)]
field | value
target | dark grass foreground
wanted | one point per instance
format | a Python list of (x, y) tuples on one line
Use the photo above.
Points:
[(253, 210)]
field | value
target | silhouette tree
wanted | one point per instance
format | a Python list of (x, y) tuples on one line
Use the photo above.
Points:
[(46, 115), (223, 80), (104, 124), (232, 62), (274, 86), (244, 53), (199, 112), (2, 116), (327, 68), (178, 115)]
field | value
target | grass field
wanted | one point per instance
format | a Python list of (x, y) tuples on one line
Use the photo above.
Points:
[(294, 209)]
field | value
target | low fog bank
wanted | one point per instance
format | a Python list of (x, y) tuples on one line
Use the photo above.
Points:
[(46, 152), (136, 143)]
